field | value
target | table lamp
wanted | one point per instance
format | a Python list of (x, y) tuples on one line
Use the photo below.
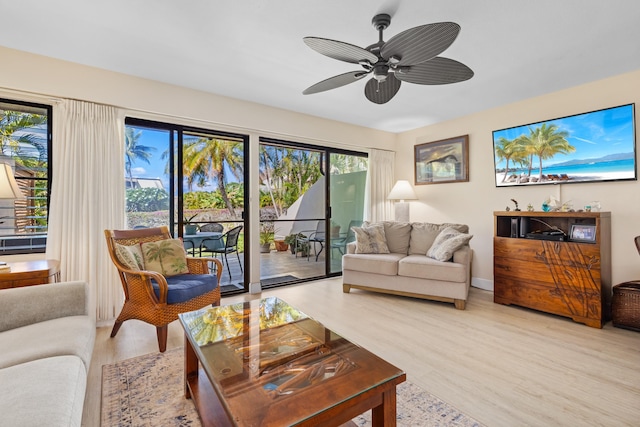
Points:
[(402, 191), (8, 186)]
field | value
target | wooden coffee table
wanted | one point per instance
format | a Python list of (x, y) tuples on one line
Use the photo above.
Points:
[(264, 363)]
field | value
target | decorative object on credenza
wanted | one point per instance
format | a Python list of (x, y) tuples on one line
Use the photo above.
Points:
[(529, 207), (567, 150), (583, 233), (442, 161), (517, 209), (402, 191)]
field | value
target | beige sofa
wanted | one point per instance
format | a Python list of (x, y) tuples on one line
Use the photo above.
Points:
[(407, 270), (46, 343)]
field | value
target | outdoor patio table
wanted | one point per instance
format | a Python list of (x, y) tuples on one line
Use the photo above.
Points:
[(196, 239)]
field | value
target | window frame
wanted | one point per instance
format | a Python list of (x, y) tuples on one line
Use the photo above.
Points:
[(30, 243)]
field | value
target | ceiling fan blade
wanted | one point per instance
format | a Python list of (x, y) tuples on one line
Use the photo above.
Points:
[(335, 81), (436, 71), (340, 50), (422, 43), (381, 93)]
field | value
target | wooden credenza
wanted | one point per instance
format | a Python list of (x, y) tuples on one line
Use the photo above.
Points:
[(27, 273), (553, 272)]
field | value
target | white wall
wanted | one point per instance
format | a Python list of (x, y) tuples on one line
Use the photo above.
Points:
[(41, 75), (472, 203), (475, 201)]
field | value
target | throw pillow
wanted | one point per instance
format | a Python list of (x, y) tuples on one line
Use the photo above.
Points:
[(397, 235), (130, 256), (448, 241), (166, 257), (371, 240)]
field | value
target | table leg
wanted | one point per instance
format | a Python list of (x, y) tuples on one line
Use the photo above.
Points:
[(190, 366), (384, 415)]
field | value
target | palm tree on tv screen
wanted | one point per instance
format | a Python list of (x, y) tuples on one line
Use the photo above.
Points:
[(546, 141)]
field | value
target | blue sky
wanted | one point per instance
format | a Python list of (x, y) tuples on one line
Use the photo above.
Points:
[(594, 134)]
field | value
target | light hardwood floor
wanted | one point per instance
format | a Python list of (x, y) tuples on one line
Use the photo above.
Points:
[(502, 365)]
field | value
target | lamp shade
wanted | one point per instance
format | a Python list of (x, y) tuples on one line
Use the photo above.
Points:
[(8, 186), (402, 191)]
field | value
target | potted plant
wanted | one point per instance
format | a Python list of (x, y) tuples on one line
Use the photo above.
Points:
[(266, 236), (190, 228), (296, 245), (281, 245)]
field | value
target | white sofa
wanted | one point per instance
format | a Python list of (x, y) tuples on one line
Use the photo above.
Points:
[(46, 343), (407, 270)]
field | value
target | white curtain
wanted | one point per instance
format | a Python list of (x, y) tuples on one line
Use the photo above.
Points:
[(380, 180), (87, 197)]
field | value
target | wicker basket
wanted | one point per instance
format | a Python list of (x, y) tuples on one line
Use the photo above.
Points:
[(625, 306)]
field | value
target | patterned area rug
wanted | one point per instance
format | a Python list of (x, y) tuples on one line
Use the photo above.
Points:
[(148, 391)]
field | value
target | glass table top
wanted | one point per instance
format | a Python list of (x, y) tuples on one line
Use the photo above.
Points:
[(267, 360)]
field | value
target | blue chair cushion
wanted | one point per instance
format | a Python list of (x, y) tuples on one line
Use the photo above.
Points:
[(183, 287)]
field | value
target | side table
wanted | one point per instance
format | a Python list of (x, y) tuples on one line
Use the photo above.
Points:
[(27, 273)]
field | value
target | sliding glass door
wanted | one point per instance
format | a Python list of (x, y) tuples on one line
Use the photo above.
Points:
[(309, 196), (191, 180), (348, 177)]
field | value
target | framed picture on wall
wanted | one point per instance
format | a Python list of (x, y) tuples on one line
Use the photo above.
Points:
[(442, 161)]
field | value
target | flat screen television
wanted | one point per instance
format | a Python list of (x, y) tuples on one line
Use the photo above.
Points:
[(589, 147)]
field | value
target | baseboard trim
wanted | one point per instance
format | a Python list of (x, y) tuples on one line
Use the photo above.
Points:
[(485, 284)]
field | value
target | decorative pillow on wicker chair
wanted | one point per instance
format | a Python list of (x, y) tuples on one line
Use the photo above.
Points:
[(371, 239), (166, 257), (130, 256), (447, 243)]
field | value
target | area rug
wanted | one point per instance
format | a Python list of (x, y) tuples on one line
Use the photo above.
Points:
[(148, 391)]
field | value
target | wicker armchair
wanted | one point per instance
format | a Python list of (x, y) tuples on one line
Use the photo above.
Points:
[(150, 305)]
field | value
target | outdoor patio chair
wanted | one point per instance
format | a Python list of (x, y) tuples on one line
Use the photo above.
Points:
[(150, 296), (224, 245), (313, 237), (341, 243), (214, 227)]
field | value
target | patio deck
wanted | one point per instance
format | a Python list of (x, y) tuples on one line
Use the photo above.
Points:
[(275, 267)]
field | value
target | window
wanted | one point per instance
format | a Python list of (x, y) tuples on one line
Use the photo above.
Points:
[(25, 141)]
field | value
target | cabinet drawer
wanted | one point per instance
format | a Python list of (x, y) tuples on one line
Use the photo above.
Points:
[(559, 253)]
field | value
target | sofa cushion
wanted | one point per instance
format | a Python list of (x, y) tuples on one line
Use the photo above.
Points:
[(397, 235), (385, 264), (371, 239), (448, 241), (166, 257), (422, 267), (184, 287), (423, 234), (73, 335), (46, 392)]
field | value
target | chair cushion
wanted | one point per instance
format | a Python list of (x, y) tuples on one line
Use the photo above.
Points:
[(184, 287), (371, 240), (166, 257), (130, 256), (448, 241)]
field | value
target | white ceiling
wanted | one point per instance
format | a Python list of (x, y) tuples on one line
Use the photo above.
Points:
[(253, 49)]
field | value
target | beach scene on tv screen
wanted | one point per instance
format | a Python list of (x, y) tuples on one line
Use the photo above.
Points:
[(588, 147)]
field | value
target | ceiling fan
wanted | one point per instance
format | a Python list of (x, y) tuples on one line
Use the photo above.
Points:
[(410, 56)]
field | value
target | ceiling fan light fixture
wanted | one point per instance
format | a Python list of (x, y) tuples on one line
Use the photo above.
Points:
[(380, 72), (410, 56)]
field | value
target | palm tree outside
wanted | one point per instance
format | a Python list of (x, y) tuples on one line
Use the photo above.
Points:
[(135, 151)]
